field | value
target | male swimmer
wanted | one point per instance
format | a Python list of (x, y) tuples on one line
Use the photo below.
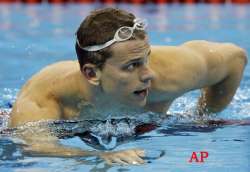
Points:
[(117, 68)]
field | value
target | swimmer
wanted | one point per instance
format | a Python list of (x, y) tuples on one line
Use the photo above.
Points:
[(118, 69)]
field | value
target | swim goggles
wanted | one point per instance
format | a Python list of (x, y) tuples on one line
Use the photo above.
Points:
[(122, 34)]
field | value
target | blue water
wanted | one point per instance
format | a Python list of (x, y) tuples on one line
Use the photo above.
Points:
[(33, 36)]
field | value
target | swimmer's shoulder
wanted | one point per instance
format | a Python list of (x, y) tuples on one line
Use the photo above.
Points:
[(203, 46), (49, 78), (60, 66), (183, 46), (162, 54), (55, 71), (190, 49)]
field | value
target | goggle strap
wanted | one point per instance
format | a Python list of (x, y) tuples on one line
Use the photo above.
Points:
[(98, 47), (139, 24)]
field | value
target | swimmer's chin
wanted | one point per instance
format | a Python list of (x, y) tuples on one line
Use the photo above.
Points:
[(140, 97), (141, 103)]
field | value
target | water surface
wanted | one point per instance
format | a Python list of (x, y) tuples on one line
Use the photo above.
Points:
[(34, 36)]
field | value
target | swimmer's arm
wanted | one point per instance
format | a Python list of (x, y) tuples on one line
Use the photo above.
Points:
[(224, 70), (27, 109), (191, 67), (47, 145)]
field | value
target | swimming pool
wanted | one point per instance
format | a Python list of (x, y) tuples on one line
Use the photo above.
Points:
[(36, 35)]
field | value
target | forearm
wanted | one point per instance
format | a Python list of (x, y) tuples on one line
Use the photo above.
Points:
[(215, 98), (39, 141), (56, 150), (52, 149)]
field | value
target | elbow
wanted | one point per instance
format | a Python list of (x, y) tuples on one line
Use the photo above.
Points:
[(236, 58), (244, 56), (241, 61), (240, 55)]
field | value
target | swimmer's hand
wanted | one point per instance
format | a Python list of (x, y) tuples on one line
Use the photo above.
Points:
[(124, 157)]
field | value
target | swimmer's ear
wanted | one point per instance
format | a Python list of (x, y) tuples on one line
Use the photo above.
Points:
[(92, 73)]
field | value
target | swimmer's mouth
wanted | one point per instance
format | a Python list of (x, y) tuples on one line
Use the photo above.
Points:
[(141, 93)]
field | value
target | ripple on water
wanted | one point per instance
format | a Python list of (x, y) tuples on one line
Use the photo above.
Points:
[(107, 134)]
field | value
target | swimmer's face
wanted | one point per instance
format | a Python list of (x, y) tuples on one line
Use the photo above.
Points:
[(126, 76)]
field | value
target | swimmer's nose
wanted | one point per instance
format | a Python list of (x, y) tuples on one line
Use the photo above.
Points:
[(147, 74)]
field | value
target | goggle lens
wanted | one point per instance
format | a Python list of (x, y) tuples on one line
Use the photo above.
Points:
[(124, 33)]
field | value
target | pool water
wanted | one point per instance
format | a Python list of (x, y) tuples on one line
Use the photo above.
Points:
[(33, 36)]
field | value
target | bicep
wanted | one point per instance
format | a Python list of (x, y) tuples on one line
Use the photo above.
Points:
[(28, 110)]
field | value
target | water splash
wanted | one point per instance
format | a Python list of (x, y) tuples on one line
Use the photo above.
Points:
[(239, 108), (7, 97)]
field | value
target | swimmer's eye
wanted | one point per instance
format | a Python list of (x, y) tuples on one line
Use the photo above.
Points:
[(134, 65)]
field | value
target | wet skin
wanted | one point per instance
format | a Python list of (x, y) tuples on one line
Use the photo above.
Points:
[(137, 76)]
